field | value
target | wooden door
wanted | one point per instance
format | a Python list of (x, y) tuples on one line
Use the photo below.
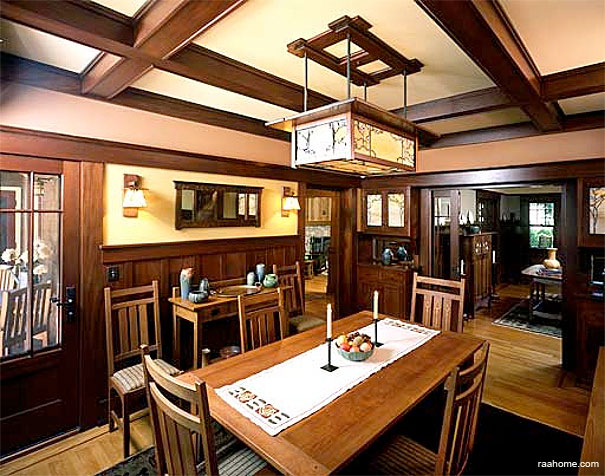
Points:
[(39, 333)]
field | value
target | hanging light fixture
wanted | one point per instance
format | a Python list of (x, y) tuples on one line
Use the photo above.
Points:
[(353, 135)]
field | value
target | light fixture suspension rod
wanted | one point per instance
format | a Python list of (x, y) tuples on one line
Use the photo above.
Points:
[(348, 66), (306, 90), (405, 93), (365, 91)]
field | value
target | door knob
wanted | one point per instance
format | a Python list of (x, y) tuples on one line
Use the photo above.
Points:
[(69, 304)]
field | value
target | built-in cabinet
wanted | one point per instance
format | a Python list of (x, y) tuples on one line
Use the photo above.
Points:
[(390, 211), (591, 334), (476, 252), (394, 286), (591, 212)]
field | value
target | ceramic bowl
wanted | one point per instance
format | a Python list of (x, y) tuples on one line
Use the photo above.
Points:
[(198, 296), (355, 356)]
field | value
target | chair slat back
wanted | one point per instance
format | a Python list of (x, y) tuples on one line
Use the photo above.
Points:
[(8, 280), (42, 307), (465, 389), (177, 432), (291, 278), (14, 318), (257, 319), (132, 318), (441, 301)]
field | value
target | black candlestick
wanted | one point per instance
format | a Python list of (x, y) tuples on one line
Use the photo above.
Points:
[(376, 343), (329, 367)]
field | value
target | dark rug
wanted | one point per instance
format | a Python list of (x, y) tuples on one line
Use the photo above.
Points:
[(506, 444), (518, 317), (139, 464)]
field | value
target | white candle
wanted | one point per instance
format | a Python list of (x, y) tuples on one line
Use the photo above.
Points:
[(461, 266), (375, 305), (493, 257), (329, 320)]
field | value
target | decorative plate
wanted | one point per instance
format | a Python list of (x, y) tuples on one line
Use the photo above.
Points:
[(239, 290)]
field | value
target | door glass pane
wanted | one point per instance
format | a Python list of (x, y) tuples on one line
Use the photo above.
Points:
[(396, 202), (47, 192), (14, 190), (596, 211), (14, 296), (441, 237), (46, 274), (374, 210)]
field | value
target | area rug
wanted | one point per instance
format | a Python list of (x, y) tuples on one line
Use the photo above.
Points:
[(518, 317)]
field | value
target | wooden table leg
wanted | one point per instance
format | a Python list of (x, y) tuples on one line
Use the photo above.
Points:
[(532, 290), (176, 341), (197, 343)]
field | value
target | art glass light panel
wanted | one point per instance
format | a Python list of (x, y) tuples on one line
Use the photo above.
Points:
[(322, 142), (378, 143), (596, 211)]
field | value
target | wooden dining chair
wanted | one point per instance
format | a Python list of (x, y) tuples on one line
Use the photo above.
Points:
[(186, 442), (442, 302), (402, 455), (259, 317), (13, 318), (132, 318), (8, 281), (294, 299)]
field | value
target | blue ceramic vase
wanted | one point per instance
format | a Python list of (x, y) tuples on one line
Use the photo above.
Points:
[(251, 278), (260, 272), (387, 256), (185, 282), (402, 254)]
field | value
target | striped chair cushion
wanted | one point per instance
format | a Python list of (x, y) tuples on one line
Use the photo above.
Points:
[(241, 462), (303, 323), (402, 455), (131, 378)]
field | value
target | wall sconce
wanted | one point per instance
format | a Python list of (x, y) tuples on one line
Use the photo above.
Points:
[(289, 202), (134, 198)]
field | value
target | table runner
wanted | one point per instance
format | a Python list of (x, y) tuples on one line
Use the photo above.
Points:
[(286, 393)]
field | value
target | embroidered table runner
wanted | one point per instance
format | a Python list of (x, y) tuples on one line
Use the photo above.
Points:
[(284, 394)]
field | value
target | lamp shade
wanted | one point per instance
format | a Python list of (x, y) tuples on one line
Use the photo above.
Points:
[(291, 203), (134, 198)]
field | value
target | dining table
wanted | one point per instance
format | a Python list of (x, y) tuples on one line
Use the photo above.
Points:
[(327, 440)]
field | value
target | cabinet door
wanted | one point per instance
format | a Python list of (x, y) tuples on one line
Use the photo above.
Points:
[(365, 291), (392, 301), (477, 279)]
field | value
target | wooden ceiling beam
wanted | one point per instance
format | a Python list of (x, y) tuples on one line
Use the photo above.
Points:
[(574, 82), (159, 30), (474, 102), (571, 123), (23, 71), (482, 30), (98, 27)]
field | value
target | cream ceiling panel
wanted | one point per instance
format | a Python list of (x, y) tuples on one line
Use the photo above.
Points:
[(592, 102), (477, 121), (28, 43), (258, 32), (560, 34), (126, 7), (186, 89)]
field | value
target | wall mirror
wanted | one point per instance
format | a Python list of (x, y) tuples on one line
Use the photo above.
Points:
[(208, 205)]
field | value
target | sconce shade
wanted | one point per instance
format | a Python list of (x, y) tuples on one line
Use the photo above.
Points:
[(291, 203), (134, 198)]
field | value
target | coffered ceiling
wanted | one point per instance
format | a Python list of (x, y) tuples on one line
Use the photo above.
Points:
[(478, 58)]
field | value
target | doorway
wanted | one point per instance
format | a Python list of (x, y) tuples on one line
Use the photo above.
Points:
[(38, 326), (321, 242)]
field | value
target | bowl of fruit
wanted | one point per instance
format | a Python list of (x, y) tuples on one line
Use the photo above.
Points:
[(355, 346)]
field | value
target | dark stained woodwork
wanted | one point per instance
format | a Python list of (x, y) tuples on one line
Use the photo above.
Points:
[(485, 34), (51, 145), (473, 102), (585, 238), (315, 445), (394, 286), (32, 73), (574, 122), (476, 251), (98, 27), (574, 82), (482, 177), (161, 29)]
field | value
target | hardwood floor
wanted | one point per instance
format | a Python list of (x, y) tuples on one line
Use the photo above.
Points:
[(316, 298), (524, 374), (524, 377)]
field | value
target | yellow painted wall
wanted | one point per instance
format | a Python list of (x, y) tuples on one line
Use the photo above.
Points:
[(156, 222)]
